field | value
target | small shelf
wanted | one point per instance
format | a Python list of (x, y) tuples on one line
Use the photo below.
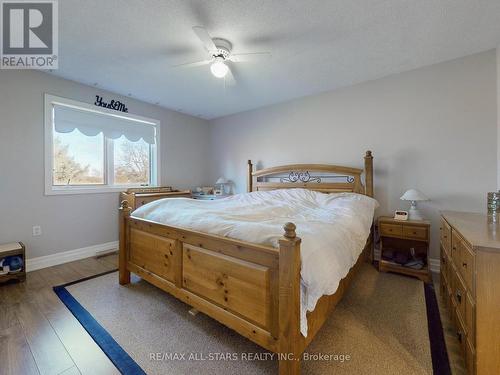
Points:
[(13, 276), (388, 266), (410, 237), (13, 249)]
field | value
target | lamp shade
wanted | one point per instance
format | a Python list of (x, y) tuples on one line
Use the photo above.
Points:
[(413, 195), (221, 180)]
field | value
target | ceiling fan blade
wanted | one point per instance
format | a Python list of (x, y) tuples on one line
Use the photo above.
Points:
[(205, 38), (250, 57), (192, 64), (229, 78)]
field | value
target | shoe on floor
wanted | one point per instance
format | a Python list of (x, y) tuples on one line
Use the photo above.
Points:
[(4, 267), (15, 263)]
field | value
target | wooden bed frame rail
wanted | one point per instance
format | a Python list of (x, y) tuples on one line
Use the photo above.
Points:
[(250, 288)]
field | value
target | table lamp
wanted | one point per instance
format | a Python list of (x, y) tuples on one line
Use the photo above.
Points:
[(414, 196), (222, 182)]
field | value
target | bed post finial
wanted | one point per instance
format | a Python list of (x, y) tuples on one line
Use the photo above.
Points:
[(290, 230), (124, 213), (249, 177), (289, 302), (369, 173)]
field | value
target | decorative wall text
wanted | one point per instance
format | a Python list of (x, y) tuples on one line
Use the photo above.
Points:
[(113, 104)]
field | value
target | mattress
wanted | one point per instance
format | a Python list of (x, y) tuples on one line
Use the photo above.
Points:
[(333, 228)]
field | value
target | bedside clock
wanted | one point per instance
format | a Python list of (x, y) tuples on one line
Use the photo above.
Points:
[(401, 215)]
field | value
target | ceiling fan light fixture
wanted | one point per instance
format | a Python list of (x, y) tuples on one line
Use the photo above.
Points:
[(219, 69)]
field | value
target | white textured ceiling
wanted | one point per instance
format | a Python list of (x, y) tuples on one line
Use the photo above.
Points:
[(129, 46)]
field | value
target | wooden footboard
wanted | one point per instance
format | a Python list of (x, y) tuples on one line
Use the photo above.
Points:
[(250, 288), (253, 289)]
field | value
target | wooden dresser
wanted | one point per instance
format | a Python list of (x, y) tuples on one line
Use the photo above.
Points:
[(470, 284), (138, 197)]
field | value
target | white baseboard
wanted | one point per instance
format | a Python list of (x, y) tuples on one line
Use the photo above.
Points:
[(37, 263), (434, 264)]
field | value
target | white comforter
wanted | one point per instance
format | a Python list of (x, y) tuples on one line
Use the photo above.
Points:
[(333, 228)]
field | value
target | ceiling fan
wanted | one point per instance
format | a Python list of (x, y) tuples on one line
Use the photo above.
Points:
[(219, 51)]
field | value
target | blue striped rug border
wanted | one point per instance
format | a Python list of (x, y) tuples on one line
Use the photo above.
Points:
[(439, 354), (118, 356), (127, 366)]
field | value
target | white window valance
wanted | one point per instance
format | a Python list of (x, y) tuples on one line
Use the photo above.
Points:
[(67, 119)]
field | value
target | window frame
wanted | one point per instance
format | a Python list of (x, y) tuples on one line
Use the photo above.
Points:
[(51, 189)]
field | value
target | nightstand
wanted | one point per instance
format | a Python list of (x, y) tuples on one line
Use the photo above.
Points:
[(399, 239)]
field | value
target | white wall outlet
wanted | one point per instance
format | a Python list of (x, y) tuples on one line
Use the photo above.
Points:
[(37, 230)]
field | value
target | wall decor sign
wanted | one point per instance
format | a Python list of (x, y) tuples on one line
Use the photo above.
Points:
[(113, 104)]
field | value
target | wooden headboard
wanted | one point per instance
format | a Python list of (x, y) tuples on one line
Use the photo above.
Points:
[(318, 177)]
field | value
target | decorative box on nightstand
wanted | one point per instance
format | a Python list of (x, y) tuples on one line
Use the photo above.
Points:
[(404, 239)]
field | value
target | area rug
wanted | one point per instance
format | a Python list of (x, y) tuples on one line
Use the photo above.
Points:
[(385, 324)]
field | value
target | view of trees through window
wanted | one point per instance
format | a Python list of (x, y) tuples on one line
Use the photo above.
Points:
[(131, 161), (80, 160)]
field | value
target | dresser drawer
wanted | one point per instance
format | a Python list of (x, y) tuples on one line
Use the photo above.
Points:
[(469, 319), (452, 304), (453, 313), (451, 273), (456, 244), (449, 296), (415, 232), (461, 335), (470, 358), (467, 265), (443, 264), (446, 266), (445, 235), (460, 295), (451, 278), (443, 284), (391, 230)]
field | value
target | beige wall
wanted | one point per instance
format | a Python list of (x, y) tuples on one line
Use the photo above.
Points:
[(433, 129), (74, 221)]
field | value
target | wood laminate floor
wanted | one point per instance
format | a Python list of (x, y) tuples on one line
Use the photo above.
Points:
[(38, 334)]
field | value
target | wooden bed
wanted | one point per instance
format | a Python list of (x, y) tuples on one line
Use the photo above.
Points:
[(250, 288)]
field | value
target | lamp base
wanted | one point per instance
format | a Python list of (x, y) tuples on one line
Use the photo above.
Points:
[(414, 214)]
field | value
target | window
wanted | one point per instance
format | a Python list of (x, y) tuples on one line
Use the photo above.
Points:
[(78, 159), (132, 162), (91, 150)]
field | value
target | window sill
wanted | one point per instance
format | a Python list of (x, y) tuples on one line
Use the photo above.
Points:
[(73, 190)]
